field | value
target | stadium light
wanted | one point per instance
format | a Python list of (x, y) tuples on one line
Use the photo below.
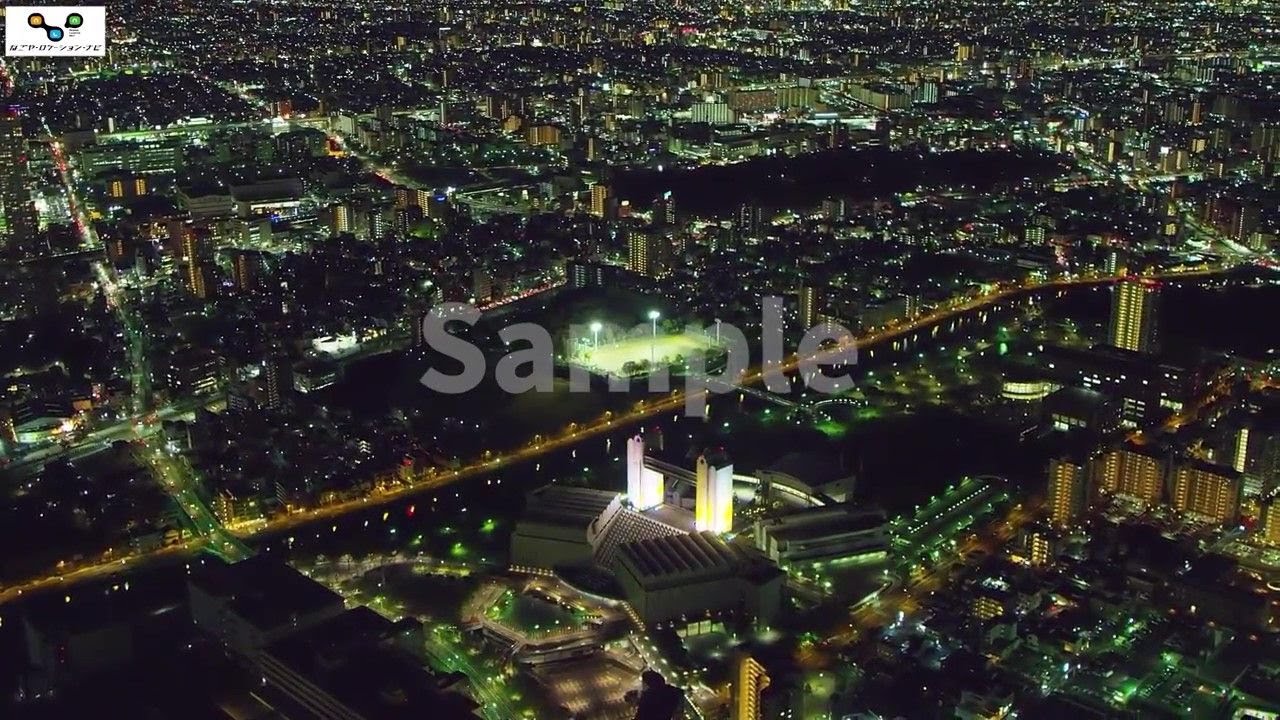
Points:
[(653, 344)]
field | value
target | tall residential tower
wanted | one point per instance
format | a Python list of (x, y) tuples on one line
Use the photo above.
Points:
[(16, 211), (1134, 315)]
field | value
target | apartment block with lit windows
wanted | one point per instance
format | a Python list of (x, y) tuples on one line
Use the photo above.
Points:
[(1068, 493), (1269, 522), (1206, 490), (1134, 471), (647, 253), (1134, 314), (749, 681)]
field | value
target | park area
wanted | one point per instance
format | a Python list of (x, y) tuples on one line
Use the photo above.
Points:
[(632, 356)]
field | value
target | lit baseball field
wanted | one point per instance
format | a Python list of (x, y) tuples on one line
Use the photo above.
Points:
[(610, 358)]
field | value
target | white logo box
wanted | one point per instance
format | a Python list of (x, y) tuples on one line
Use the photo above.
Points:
[(55, 30)]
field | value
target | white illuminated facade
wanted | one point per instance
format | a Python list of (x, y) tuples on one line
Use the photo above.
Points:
[(713, 509), (645, 486)]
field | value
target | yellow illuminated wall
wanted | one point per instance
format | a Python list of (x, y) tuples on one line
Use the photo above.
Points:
[(749, 682), (713, 504)]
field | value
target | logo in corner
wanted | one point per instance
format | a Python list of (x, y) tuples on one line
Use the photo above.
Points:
[(53, 32)]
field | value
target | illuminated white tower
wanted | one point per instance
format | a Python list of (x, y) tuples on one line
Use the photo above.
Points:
[(713, 508), (644, 486)]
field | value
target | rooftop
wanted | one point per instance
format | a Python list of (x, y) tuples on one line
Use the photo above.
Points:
[(673, 559), (557, 504), (1077, 400), (352, 657), (621, 525), (264, 591), (823, 522), (813, 470)]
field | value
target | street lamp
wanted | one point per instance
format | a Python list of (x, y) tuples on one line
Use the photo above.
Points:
[(653, 344), (596, 327)]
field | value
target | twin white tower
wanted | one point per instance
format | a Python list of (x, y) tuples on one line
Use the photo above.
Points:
[(713, 506), (713, 503), (645, 486)]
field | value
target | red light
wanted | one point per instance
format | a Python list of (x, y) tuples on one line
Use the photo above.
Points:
[(409, 511)]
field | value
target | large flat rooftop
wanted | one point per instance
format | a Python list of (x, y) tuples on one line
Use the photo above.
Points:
[(823, 522), (265, 591), (354, 660), (702, 556), (561, 505)]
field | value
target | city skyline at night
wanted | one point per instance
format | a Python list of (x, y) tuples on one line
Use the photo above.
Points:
[(590, 360)]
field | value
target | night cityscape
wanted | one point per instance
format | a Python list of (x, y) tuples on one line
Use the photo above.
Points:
[(603, 360)]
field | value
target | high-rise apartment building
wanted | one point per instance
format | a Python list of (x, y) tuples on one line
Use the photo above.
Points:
[(1134, 315), (277, 380), (1207, 490), (810, 305), (16, 210), (645, 254), (1134, 471), (196, 262), (246, 270), (1068, 491), (664, 210), (749, 681), (1269, 522), (600, 200)]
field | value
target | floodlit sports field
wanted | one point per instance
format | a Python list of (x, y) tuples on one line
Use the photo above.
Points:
[(611, 357)]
